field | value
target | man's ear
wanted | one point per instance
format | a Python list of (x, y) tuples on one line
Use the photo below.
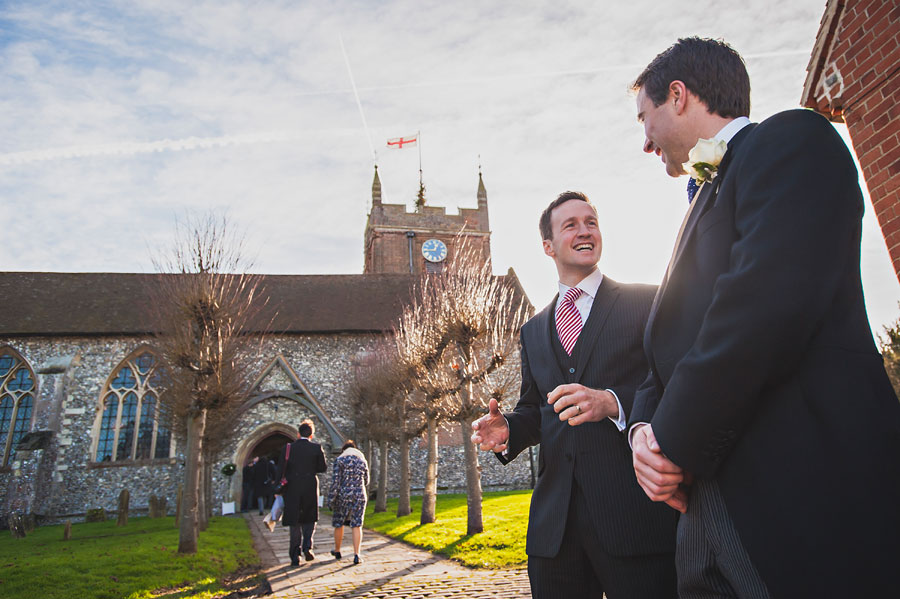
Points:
[(678, 95), (548, 248)]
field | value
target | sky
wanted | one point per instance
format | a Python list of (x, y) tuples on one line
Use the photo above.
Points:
[(117, 118)]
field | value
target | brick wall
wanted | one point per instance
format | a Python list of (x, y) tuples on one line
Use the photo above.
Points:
[(857, 79)]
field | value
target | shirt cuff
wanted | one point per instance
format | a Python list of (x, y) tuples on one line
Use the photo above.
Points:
[(505, 452), (620, 421), (631, 430)]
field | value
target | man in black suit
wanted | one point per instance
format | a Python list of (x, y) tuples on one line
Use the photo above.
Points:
[(767, 417), (591, 529), (301, 497)]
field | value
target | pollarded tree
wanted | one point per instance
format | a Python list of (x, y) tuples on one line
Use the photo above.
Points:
[(420, 343), (479, 316), (454, 338), (204, 306)]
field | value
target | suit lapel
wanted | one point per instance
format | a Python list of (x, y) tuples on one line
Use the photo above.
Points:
[(600, 309), (705, 198)]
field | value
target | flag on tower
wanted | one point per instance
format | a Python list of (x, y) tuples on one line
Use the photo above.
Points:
[(402, 142)]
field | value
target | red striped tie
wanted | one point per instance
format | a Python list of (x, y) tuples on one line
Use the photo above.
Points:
[(568, 320)]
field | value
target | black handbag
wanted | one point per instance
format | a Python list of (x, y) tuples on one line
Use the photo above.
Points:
[(279, 487)]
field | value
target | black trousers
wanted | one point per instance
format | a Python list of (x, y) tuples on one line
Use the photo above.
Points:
[(583, 569), (301, 539)]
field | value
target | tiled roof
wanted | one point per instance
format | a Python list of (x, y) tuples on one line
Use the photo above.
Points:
[(42, 303)]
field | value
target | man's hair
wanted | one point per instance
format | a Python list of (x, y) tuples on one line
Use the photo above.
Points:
[(306, 428), (709, 68), (349, 443), (544, 225)]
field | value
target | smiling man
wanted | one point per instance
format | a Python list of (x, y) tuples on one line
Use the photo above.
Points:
[(591, 529), (767, 417)]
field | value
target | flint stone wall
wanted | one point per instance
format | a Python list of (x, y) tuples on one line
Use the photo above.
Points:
[(65, 481)]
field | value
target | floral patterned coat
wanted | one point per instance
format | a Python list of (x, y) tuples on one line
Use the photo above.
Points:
[(347, 497)]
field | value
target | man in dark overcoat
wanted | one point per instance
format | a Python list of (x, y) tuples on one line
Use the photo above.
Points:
[(301, 496)]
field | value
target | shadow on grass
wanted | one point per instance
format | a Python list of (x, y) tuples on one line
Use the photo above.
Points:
[(246, 582)]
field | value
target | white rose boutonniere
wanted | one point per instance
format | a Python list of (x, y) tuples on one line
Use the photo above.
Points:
[(704, 158)]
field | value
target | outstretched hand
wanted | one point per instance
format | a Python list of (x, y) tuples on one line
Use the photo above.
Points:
[(491, 431), (661, 479)]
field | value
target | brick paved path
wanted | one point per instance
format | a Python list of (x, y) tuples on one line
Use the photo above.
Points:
[(390, 569)]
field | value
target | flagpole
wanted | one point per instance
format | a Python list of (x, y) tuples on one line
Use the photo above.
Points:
[(419, 143)]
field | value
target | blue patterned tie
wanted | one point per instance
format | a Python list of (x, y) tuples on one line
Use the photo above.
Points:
[(692, 189)]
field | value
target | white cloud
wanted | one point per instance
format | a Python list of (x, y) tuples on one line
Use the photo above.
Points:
[(116, 119)]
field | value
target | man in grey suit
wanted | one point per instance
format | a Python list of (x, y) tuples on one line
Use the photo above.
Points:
[(591, 529)]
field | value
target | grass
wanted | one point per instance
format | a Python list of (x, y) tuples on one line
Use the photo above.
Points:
[(137, 561), (501, 545)]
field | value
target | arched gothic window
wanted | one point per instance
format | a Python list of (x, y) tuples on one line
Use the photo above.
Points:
[(17, 392), (130, 428)]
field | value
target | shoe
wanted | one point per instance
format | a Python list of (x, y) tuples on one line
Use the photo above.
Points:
[(356, 559), (336, 554), (295, 564), (309, 555), (271, 525)]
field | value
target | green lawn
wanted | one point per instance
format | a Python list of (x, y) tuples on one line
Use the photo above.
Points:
[(137, 561), (502, 544)]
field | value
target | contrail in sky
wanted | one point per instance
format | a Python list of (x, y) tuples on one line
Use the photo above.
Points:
[(196, 143)]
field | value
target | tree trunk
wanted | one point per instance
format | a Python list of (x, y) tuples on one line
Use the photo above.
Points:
[(403, 508), (473, 480), (187, 529), (381, 500), (429, 493), (202, 505)]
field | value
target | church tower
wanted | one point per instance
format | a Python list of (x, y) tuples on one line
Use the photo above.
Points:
[(402, 242)]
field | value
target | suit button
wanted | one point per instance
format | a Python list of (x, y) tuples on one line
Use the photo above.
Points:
[(568, 457), (571, 371)]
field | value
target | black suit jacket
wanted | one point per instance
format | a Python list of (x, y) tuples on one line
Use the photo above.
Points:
[(595, 454), (301, 499), (764, 374)]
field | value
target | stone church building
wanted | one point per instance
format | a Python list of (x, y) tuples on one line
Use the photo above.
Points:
[(79, 382)]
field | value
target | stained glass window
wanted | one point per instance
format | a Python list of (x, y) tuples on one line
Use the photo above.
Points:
[(130, 426), (16, 401)]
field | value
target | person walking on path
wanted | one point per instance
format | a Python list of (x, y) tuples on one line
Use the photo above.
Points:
[(301, 497), (347, 497)]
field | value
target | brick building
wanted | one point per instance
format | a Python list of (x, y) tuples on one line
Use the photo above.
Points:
[(853, 77), (79, 380)]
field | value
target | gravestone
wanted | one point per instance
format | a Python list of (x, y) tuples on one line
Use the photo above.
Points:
[(95, 515), (29, 522), (16, 526), (153, 507), (124, 496), (67, 530)]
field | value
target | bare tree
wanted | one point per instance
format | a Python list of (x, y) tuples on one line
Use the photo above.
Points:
[(454, 338), (479, 316), (420, 343), (205, 307)]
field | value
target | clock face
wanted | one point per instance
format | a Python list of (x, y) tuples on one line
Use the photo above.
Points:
[(434, 250)]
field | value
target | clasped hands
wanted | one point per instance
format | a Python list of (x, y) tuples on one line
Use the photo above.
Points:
[(661, 479), (575, 404)]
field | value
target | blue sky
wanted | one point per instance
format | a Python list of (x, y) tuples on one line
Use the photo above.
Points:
[(117, 117)]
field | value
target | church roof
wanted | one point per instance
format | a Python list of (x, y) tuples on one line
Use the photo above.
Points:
[(46, 303)]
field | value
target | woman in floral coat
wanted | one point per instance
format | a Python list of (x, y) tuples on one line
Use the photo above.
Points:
[(347, 498)]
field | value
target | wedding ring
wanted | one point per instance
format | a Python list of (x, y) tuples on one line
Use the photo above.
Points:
[(578, 407)]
